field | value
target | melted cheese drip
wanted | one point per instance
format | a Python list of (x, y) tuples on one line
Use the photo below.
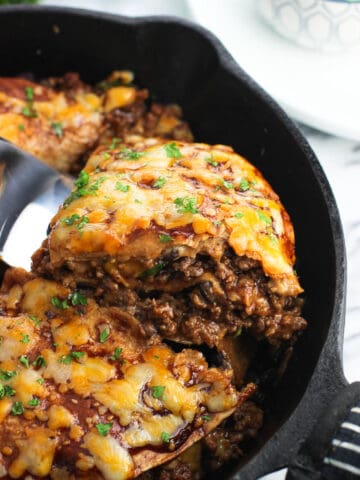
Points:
[(250, 218)]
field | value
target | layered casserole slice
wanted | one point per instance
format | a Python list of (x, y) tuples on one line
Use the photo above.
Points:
[(84, 393), (59, 120), (188, 237)]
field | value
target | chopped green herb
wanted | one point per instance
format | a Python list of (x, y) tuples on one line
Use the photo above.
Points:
[(21, 127), (206, 418), (7, 374), (103, 428), (78, 298), (123, 188), (114, 143), (24, 360), (186, 205), (117, 353), (226, 201), (244, 185), (82, 180), (57, 129), (265, 218), (39, 361), (83, 221), (66, 359), (238, 215), (137, 200), (273, 239), (211, 161), (158, 391), (40, 380), (172, 150), (226, 184), (104, 335), (70, 220), (6, 391), (34, 319), (154, 270), (165, 437), (34, 402), (217, 223), (130, 154), (17, 408), (238, 332), (106, 155), (29, 94), (28, 111), (25, 338), (62, 304), (165, 238), (160, 182), (156, 357)]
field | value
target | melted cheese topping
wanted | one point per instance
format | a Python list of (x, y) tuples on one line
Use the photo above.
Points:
[(138, 397), (37, 130), (212, 191)]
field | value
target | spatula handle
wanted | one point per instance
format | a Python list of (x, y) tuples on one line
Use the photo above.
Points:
[(332, 452)]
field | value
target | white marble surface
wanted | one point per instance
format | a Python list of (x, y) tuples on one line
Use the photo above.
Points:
[(340, 159)]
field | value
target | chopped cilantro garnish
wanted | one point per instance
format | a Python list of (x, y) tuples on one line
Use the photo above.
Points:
[(265, 218), (160, 182), (273, 239), (7, 374), (217, 223), (29, 94), (83, 221), (238, 332), (186, 205), (206, 418), (226, 184), (137, 200), (57, 129), (158, 391), (130, 154), (123, 188), (78, 298), (6, 391), (21, 127), (106, 155), (244, 185), (103, 428), (24, 360), (17, 408), (25, 338), (39, 361), (165, 238), (104, 335), (154, 270), (82, 180), (40, 381), (238, 215), (211, 161), (34, 319), (28, 111), (116, 354), (114, 143), (172, 150), (34, 402), (165, 437), (62, 304), (71, 219), (66, 359)]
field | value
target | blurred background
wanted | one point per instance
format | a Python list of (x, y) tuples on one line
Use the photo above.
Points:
[(306, 54)]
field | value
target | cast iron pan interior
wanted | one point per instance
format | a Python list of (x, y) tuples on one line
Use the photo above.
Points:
[(180, 62)]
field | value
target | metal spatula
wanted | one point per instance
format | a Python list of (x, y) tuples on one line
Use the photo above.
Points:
[(30, 194)]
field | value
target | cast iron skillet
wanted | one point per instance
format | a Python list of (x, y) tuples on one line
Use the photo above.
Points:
[(183, 63)]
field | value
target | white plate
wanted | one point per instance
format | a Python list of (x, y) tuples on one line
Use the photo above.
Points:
[(321, 90)]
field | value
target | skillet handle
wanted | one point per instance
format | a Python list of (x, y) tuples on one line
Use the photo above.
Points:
[(332, 452)]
